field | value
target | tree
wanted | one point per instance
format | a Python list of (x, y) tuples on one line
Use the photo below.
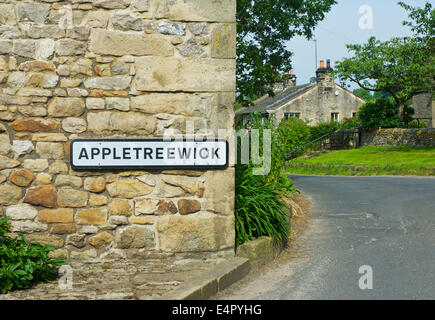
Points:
[(403, 67), (382, 113), (263, 26), (422, 23), (363, 94)]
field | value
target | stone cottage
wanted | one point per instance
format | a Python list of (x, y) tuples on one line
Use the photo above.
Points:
[(320, 100), (424, 107)]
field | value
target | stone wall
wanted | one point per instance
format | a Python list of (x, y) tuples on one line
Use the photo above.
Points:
[(418, 138), (114, 69)]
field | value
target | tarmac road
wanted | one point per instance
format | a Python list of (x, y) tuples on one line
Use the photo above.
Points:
[(386, 223)]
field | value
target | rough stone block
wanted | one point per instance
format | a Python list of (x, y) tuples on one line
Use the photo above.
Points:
[(223, 41), (220, 192), (120, 122), (21, 212), (134, 237), (32, 11), (128, 188), (191, 75), (68, 47), (74, 125), (191, 233), (22, 178), (121, 44), (154, 206), (36, 125), (72, 198), (36, 165), (101, 240), (196, 10), (120, 208), (51, 241), (196, 105), (41, 196), (61, 215), (66, 107), (50, 150), (63, 228), (91, 216)]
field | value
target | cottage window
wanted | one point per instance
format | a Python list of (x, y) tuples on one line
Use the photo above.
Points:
[(292, 115), (335, 116)]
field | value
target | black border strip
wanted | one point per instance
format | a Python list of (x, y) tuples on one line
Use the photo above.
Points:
[(147, 168)]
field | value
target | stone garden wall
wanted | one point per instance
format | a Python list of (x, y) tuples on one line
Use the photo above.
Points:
[(114, 69), (415, 138)]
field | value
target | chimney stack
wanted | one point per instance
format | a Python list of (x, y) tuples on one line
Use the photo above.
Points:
[(324, 75)]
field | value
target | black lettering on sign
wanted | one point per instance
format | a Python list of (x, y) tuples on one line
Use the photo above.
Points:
[(126, 154), (148, 153), (204, 153), (106, 152), (159, 153), (83, 154), (95, 152), (171, 153), (114, 155), (184, 154)]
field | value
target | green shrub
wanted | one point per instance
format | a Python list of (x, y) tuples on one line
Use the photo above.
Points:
[(414, 124), (293, 133), (383, 113), (23, 264), (350, 123), (259, 208), (323, 128)]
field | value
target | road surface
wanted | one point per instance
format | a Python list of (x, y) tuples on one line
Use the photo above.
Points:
[(386, 223)]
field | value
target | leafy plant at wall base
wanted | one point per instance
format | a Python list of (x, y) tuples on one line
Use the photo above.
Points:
[(259, 208), (23, 264)]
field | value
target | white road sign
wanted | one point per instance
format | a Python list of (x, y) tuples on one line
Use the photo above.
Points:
[(148, 154)]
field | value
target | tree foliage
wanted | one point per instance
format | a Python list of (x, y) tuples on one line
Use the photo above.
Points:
[(382, 113), (403, 67), (263, 26), (363, 94)]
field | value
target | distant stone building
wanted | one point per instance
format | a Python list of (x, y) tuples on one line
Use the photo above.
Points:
[(320, 100), (424, 108)]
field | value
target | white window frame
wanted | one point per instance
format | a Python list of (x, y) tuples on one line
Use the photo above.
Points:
[(333, 118), (290, 115)]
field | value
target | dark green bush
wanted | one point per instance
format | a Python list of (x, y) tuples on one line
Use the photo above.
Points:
[(23, 264), (383, 113)]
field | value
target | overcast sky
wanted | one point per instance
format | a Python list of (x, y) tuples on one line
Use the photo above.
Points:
[(341, 27)]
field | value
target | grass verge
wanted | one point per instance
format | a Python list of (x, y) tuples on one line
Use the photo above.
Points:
[(368, 161)]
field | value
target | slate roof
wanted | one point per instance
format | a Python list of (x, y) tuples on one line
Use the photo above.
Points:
[(273, 103)]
